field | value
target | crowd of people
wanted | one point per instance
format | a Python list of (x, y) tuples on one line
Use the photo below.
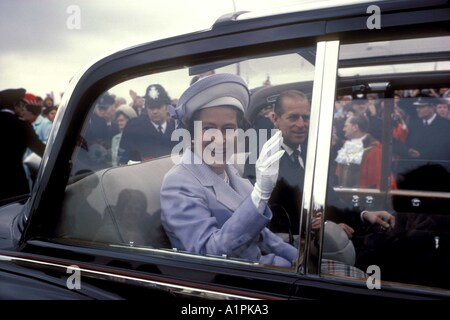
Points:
[(119, 133), (420, 129)]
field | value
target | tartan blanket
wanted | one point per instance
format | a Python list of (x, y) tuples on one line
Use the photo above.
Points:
[(336, 268)]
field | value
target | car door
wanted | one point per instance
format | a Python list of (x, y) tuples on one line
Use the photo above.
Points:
[(394, 86), (82, 225)]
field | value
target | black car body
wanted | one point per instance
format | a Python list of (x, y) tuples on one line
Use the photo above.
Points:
[(327, 52)]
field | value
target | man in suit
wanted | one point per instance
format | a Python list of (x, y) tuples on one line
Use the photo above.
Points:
[(149, 135), (102, 127), (16, 136), (429, 136), (207, 208), (291, 117)]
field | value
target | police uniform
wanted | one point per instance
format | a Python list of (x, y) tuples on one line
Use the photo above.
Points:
[(141, 138)]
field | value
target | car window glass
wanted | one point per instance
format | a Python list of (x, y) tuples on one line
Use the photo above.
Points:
[(114, 196), (388, 196)]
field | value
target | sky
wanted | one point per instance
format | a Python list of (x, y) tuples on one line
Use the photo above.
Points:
[(45, 42)]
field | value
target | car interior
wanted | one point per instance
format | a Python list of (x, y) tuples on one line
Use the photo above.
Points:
[(368, 70)]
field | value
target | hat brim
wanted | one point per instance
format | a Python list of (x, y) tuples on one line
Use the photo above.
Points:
[(214, 91), (225, 101)]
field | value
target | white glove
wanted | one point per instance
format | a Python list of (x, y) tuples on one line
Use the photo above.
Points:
[(266, 168)]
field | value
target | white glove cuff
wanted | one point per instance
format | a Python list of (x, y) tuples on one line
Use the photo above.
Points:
[(257, 200)]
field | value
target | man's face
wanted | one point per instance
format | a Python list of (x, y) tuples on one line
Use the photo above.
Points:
[(107, 112), (360, 106), (442, 110), (425, 112), (19, 108), (350, 129), (294, 120), (139, 102), (28, 116), (345, 100), (158, 115)]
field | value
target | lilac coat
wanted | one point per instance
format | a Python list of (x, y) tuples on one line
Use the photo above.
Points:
[(203, 214)]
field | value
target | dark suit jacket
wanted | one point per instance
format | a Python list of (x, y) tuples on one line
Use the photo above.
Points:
[(432, 141), (16, 136), (286, 199), (99, 132), (141, 141)]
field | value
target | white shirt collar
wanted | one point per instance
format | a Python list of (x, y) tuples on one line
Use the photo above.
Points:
[(289, 150), (429, 121), (164, 126)]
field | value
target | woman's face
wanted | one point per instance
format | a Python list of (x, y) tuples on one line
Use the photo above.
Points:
[(121, 121), (51, 115), (219, 126)]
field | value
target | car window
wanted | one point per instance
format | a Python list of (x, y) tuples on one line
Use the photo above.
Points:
[(390, 161), (114, 195)]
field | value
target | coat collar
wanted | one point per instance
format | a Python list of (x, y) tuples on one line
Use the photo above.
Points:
[(369, 141), (230, 196), (39, 120)]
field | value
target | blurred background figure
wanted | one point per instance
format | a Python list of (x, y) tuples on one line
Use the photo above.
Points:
[(123, 114), (42, 126), (49, 101), (359, 159), (16, 135), (32, 114), (442, 108), (137, 102), (428, 139), (50, 113), (102, 127)]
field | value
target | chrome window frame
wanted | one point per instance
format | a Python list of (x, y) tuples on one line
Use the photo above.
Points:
[(317, 160)]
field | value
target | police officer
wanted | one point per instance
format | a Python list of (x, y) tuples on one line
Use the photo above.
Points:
[(149, 135)]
